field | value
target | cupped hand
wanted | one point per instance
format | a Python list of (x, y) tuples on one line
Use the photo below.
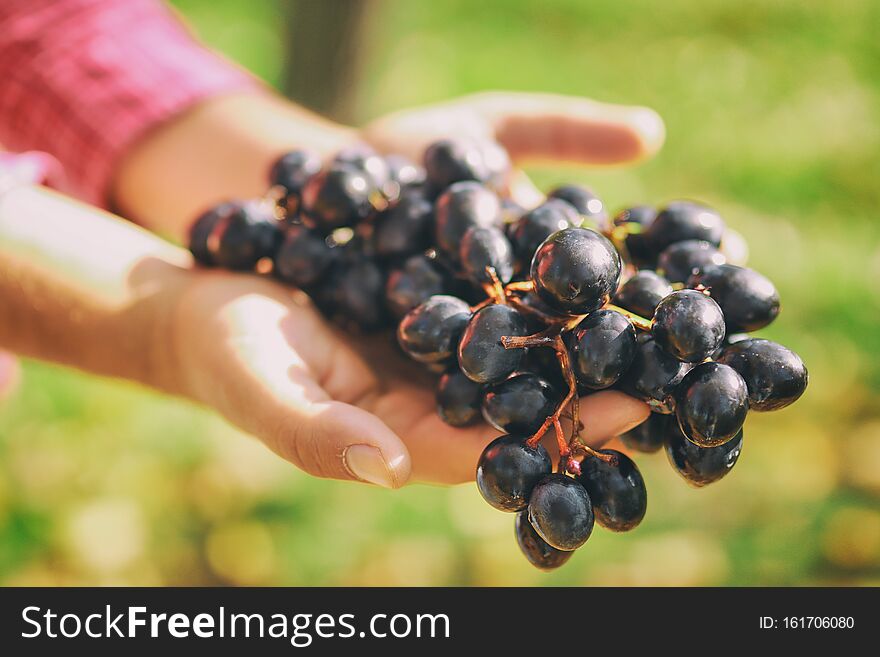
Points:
[(334, 405), (533, 128)]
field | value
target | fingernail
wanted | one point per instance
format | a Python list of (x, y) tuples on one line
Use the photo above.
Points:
[(367, 464)]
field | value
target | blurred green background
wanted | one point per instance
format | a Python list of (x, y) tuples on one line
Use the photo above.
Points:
[(773, 116)]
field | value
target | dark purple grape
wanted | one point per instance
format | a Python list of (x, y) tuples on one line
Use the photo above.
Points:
[(576, 270), (653, 376), (364, 158), (520, 404), (588, 205), (200, 242), (650, 435), (304, 257), (560, 512), (463, 205), (508, 469), (419, 279), (482, 248), (748, 299), (617, 491), (775, 376), (246, 235), (430, 332), (510, 211), (355, 294), (291, 171), (405, 228), (529, 231), (700, 466), (639, 250), (405, 172), (689, 325), (711, 404), (452, 160), (339, 196), (604, 345), (679, 261), (538, 552), (481, 355), (458, 399), (642, 292), (684, 220)]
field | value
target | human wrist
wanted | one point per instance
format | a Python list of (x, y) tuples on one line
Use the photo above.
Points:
[(218, 150)]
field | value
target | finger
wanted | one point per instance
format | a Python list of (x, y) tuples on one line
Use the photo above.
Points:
[(324, 437), (444, 454), (608, 414), (523, 191), (555, 128), (258, 378), (10, 372)]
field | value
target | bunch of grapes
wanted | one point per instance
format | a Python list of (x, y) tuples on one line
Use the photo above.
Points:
[(520, 311)]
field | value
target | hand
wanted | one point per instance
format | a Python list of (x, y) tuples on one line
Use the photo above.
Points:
[(335, 406), (534, 128)]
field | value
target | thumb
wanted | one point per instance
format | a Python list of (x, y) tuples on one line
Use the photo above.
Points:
[(336, 440), (551, 127)]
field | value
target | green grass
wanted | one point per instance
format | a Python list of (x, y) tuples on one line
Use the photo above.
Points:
[(773, 116)]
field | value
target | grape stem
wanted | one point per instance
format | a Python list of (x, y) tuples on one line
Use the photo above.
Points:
[(552, 337), (495, 289), (636, 320)]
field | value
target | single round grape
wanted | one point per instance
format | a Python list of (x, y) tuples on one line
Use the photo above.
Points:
[(508, 470), (452, 160), (700, 466), (404, 228), (617, 491), (749, 300), (775, 376), (366, 159), (689, 325), (463, 205), (246, 235), (458, 399), (520, 404), (538, 552), (641, 253), (419, 279), (430, 332), (684, 220), (339, 196), (356, 295), (584, 200), (405, 172), (529, 231), (486, 247), (200, 232), (481, 355), (711, 404), (576, 270), (679, 261), (650, 435), (291, 171), (304, 257), (653, 376), (603, 349), (642, 292), (560, 511)]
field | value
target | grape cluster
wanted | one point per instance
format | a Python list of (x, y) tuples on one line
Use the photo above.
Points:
[(521, 311)]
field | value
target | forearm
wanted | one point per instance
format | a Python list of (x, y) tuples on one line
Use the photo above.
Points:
[(81, 287), (221, 149)]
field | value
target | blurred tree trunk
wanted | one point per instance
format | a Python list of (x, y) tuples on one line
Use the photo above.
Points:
[(324, 53)]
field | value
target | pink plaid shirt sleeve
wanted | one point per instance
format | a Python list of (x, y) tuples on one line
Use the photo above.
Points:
[(83, 80)]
